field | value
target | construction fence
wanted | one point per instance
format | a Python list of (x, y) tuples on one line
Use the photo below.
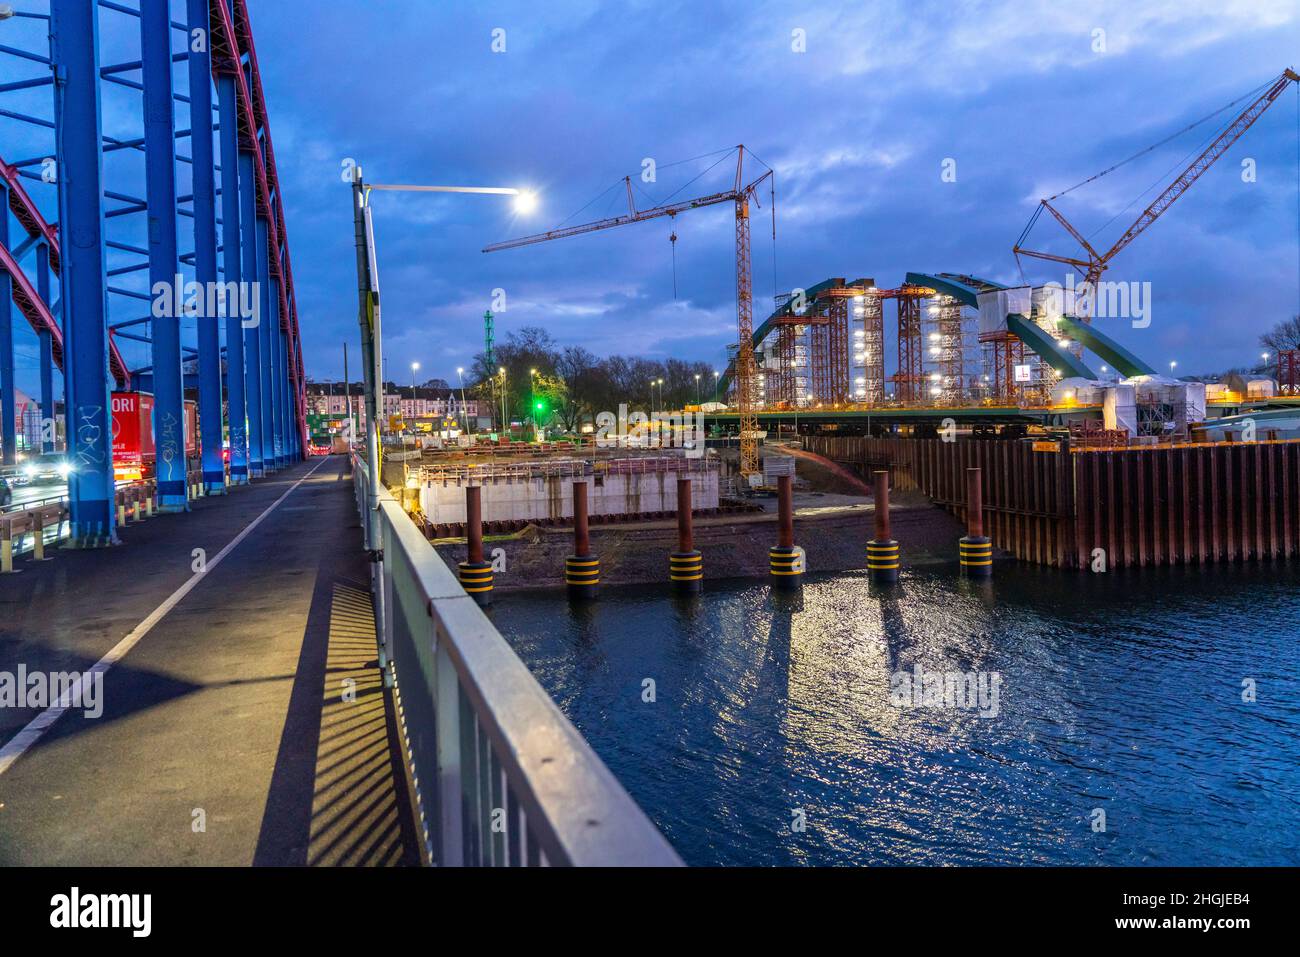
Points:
[(1111, 508)]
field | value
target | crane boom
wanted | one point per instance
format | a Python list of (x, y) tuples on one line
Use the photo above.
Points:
[(635, 216), (746, 377), (1096, 263), (1203, 162)]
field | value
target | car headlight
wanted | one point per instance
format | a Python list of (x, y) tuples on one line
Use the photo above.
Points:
[(29, 470), (65, 470)]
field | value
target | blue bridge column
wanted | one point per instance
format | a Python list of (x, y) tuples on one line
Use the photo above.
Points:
[(286, 403), (273, 386), (205, 251), (282, 340), (46, 342), (236, 407), (277, 379), (74, 33), (248, 223), (160, 191), (266, 360), (8, 433)]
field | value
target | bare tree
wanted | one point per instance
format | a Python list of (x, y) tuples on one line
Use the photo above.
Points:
[(1283, 336)]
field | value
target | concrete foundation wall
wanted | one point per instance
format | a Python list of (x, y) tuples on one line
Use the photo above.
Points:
[(552, 496)]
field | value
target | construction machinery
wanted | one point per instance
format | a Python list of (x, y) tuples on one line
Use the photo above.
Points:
[(740, 194), (1096, 262)]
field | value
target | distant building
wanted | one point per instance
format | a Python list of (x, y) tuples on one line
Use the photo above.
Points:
[(424, 402)]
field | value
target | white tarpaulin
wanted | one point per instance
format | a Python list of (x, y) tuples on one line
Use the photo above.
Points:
[(1119, 408), (994, 307)]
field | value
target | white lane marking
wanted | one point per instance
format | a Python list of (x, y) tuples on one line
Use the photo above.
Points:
[(29, 735)]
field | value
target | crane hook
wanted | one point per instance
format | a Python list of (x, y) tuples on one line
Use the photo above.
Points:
[(672, 238)]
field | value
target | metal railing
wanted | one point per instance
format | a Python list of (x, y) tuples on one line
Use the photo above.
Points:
[(499, 775)]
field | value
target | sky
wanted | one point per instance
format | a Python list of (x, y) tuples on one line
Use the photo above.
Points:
[(859, 108)]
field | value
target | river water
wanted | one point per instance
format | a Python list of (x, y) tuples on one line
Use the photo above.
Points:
[(781, 732)]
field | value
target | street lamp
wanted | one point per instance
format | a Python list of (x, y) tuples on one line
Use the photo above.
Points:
[(460, 376), (505, 418), (368, 312), (1172, 364), (716, 374), (532, 399), (697, 388)]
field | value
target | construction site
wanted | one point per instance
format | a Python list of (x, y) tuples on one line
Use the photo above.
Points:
[(929, 355)]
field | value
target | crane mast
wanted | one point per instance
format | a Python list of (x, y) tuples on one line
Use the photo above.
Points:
[(1096, 263), (740, 195)]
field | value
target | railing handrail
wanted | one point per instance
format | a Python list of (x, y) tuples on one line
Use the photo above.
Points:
[(575, 808)]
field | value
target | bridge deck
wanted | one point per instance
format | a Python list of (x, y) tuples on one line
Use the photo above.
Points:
[(231, 708)]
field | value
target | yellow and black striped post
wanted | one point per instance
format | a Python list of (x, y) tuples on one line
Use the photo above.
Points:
[(883, 559), (975, 550), (581, 569), (686, 565), (475, 574), (785, 560)]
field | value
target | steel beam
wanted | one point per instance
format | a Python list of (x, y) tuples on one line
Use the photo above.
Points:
[(164, 265), (8, 433), (266, 361), (46, 339), (231, 190), (205, 248), (248, 228), (74, 40)]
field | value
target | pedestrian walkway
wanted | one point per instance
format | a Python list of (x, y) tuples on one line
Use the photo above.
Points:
[(244, 720)]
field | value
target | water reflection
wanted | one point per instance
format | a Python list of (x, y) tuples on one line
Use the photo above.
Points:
[(1119, 692)]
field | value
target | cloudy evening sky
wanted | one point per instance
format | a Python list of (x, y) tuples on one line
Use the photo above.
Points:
[(857, 128)]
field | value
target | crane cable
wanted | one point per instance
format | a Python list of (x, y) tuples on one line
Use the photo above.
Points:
[(1155, 146), (1033, 219)]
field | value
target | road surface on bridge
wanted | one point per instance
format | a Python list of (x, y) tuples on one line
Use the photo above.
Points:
[(246, 724)]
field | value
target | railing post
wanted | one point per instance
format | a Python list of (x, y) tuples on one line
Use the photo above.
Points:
[(451, 849), (882, 551), (686, 565)]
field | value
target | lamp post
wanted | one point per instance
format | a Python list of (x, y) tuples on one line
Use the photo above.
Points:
[(697, 389), (460, 376), (716, 374), (532, 398), (368, 316), (505, 419)]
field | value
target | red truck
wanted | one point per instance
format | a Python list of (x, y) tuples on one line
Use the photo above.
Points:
[(133, 448)]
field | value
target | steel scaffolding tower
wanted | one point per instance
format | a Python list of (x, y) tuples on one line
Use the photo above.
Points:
[(909, 381), (80, 324), (949, 349), (869, 347)]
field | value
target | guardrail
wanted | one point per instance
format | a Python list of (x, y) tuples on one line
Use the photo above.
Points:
[(499, 775), (134, 502)]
